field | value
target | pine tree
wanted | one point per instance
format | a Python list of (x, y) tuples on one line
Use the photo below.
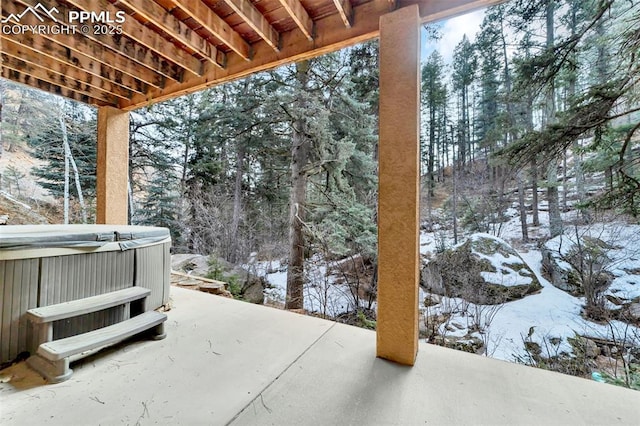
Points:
[(464, 69)]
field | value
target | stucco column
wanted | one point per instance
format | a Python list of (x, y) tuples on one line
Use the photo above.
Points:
[(399, 183), (112, 172)]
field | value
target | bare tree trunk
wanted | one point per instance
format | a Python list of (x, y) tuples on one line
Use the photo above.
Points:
[(513, 133), (299, 159), (555, 220), (534, 192), (454, 213), (522, 208), (66, 175), (68, 159), (564, 181), (237, 202)]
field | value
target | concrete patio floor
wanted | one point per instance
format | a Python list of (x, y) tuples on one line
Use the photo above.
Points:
[(229, 362)]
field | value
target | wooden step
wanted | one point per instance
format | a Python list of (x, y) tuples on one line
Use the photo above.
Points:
[(87, 305), (59, 349)]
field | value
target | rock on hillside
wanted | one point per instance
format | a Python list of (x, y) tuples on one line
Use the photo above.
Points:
[(250, 287), (483, 270), (609, 258), (14, 212)]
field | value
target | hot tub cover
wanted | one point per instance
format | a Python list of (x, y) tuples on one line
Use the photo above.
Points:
[(78, 236)]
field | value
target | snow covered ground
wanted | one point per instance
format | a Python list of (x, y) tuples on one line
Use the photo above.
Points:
[(548, 318)]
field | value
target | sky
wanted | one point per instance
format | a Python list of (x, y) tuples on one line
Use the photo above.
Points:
[(452, 31)]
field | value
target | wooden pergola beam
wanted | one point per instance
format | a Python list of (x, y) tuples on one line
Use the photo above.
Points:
[(214, 24), (144, 36), (332, 35), (437, 10), (256, 21), (59, 80), (300, 16), (66, 71), (21, 77), (345, 10), (52, 51), (158, 16), (97, 52)]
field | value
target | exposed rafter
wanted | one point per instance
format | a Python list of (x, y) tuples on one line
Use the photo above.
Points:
[(154, 75), (145, 37), (49, 50), (66, 70), (300, 16), (345, 10), (168, 23), (256, 21), (204, 16), (23, 76), (165, 48)]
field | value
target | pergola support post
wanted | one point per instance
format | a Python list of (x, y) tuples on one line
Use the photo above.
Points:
[(112, 172), (399, 183)]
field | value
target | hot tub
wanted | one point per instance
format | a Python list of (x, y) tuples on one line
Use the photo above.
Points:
[(42, 265)]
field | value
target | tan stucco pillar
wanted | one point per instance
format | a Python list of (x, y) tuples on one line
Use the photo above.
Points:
[(399, 179), (112, 172)]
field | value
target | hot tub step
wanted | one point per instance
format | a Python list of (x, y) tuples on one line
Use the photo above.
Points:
[(52, 358), (87, 305)]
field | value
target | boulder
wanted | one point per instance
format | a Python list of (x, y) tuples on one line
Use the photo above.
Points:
[(192, 264), (253, 289), (561, 252), (483, 270)]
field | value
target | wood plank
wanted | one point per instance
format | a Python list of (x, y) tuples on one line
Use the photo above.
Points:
[(64, 69), (45, 74), (300, 16), (332, 35), (62, 348), (128, 51), (54, 51), (345, 10), (204, 16), (256, 21), (87, 305), (158, 16), (21, 77), (141, 34), (294, 46), (437, 10)]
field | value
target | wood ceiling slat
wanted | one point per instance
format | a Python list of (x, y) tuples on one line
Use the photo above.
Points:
[(256, 21), (300, 16), (64, 84), (157, 15), (145, 36), (20, 77), (345, 10), (52, 49), (205, 17), (139, 60), (122, 61), (31, 56), (332, 35)]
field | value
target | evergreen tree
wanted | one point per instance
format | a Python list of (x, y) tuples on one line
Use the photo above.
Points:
[(48, 146), (464, 69)]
